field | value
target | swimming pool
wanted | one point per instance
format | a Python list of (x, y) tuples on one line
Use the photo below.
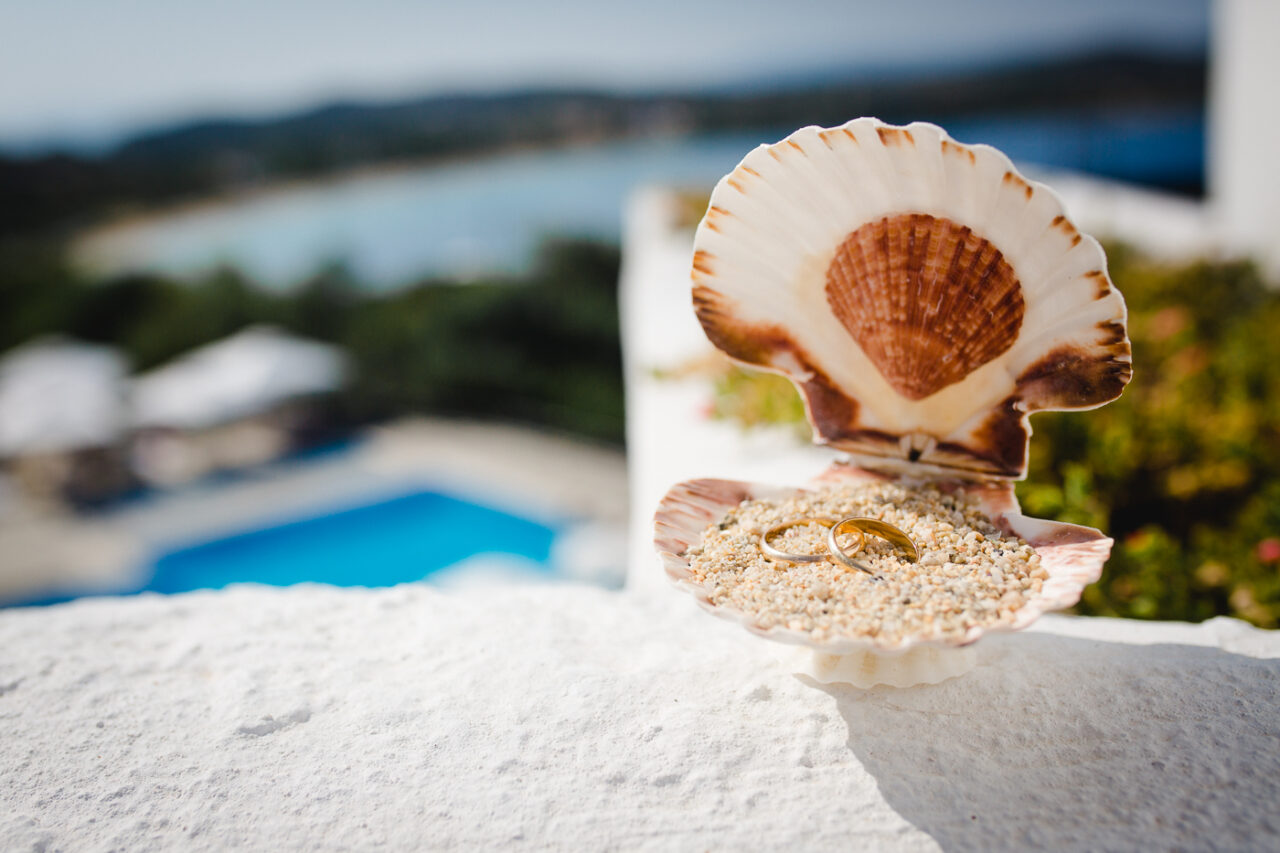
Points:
[(394, 540), (380, 541)]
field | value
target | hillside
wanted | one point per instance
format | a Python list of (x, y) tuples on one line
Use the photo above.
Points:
[(61, 190)]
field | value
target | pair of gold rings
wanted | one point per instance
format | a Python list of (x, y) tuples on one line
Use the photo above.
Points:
[(856, 526)]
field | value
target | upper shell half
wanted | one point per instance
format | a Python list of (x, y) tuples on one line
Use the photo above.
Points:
[(923, 295)]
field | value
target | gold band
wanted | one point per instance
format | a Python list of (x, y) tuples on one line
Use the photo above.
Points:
[(785, 556), (862, 526)]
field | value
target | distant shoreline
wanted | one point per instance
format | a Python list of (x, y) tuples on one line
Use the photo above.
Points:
[(110, 224), (399, 221)]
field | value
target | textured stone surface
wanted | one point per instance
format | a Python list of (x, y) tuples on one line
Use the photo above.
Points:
[(411, 718)]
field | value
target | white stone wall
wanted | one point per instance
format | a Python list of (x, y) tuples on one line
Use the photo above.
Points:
[(572, 718)]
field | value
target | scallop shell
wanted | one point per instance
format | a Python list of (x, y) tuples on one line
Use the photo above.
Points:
[(1072, 555), (923, 295)]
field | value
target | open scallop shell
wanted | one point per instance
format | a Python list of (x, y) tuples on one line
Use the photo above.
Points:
[(923, 295), (1072, 555), (925, 298)]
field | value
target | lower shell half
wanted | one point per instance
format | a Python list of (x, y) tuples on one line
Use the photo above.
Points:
[(1072, 555)]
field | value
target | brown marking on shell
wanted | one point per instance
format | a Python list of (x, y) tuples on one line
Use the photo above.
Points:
[(711, 308), (1075, 377), (829, 407), (874, 442), (1101, 283), (1018, 181), (702, 262), (750, 171), (949, 147), (733, 182), (1061, 223), (713, 214), (960, 458), (793, 144), (895, 136), (831, 410), (1001, 441), (849, 133), (773, 152), (705, 299), (1115, 334), (753, 344), (926, 299)]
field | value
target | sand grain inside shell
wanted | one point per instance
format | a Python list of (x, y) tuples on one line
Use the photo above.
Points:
[(970, 573)]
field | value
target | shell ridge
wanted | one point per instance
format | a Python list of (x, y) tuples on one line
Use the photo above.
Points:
[(1011, 205), (916, 263), (856, 182), (795, 216), (1073, 302), (994, 165), (1071, 264), (859, 181), (1030, 237), (916, 163), (874, 162), (1053, 336), (809, 170), (756, 251)]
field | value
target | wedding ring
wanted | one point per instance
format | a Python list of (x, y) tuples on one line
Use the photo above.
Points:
[(862, 526), (785, 556)]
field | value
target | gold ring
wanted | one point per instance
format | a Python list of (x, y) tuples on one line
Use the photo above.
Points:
[(875, 527), (785, 556)]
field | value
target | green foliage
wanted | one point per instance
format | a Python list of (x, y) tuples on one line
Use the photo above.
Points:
[(1183, 470), (542, 348), (754, 398), (37, 289)]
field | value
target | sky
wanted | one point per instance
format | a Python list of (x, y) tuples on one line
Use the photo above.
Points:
[(91, 71)]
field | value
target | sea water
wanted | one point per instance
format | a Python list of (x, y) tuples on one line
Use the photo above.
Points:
[(488, 215)]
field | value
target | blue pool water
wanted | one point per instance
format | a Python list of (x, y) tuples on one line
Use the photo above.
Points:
[(394, 540), (405, 538)]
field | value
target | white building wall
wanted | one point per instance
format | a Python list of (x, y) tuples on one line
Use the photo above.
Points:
[(1244, 138)]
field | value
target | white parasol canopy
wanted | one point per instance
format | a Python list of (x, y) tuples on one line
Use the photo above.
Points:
[(58, 394), (245, 374)]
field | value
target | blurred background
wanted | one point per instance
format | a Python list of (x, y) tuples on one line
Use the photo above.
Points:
[(328, 291)]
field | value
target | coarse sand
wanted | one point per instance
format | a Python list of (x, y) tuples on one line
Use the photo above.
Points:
[(969, 574)]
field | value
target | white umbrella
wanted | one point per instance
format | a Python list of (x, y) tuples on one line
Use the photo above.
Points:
[(58, 394), (245, 374)]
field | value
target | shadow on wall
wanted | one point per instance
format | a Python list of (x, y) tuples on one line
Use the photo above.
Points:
[(1098, 746)]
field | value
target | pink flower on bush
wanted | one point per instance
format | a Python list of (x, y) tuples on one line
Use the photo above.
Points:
[(1269, 550)]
